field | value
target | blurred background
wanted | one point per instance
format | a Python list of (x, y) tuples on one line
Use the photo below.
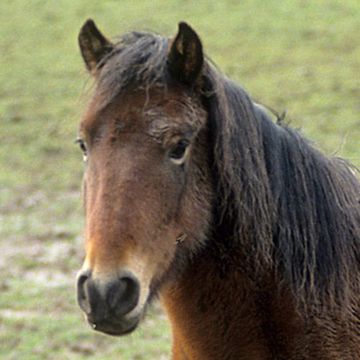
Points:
[(295, 55)]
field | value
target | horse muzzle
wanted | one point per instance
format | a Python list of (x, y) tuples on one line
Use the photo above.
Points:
[(110, 306)]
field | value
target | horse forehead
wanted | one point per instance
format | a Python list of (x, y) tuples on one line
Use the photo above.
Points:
[(100, 111), (139, 111)]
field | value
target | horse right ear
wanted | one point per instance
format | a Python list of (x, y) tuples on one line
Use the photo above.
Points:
[(93, 45)]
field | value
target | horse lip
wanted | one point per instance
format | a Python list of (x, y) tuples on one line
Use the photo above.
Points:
[(115, 327)]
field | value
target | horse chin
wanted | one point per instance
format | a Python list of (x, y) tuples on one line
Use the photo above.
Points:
[(116, 327)]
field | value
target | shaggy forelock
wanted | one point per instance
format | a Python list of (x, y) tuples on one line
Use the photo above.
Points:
[(138, 61)]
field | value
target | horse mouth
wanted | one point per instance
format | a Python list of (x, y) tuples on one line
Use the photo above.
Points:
[(115, 328)]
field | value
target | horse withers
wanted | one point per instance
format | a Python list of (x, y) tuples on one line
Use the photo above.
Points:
[(249, 236)]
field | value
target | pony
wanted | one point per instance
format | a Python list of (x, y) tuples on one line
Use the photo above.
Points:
[(193, 194)]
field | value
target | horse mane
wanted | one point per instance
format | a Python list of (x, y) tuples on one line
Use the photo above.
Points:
[(284, 204), (290, 207)]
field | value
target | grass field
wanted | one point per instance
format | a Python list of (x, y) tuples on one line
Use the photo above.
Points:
[(302, 56)]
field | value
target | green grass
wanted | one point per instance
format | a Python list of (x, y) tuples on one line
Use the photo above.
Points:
[(302, 56)]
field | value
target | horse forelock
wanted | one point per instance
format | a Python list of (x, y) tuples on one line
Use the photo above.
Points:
[(138, 61)]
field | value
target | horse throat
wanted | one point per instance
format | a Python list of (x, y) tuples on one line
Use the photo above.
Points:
[(216, 314)]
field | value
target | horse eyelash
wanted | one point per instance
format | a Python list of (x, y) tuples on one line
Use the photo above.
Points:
[(81, 143)]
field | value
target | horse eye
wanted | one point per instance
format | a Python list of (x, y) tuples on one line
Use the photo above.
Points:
[(82, 146), (177, 153)]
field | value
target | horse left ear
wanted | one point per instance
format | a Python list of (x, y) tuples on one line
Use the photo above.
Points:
[(93, 45), (185, 58)]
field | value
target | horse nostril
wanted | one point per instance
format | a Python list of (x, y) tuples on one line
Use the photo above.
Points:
[(82, 293), (123, 295), (101, 299)]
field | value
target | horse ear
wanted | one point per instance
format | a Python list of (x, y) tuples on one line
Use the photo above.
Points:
[(185, 58), (93, 45)]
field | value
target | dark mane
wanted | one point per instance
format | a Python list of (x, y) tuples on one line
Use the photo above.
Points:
[(287, 206), (291, 206)]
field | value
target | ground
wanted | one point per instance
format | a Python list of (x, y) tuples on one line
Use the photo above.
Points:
[(300, 56)]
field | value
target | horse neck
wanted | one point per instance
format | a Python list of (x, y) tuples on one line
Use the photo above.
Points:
[(216, 315)]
